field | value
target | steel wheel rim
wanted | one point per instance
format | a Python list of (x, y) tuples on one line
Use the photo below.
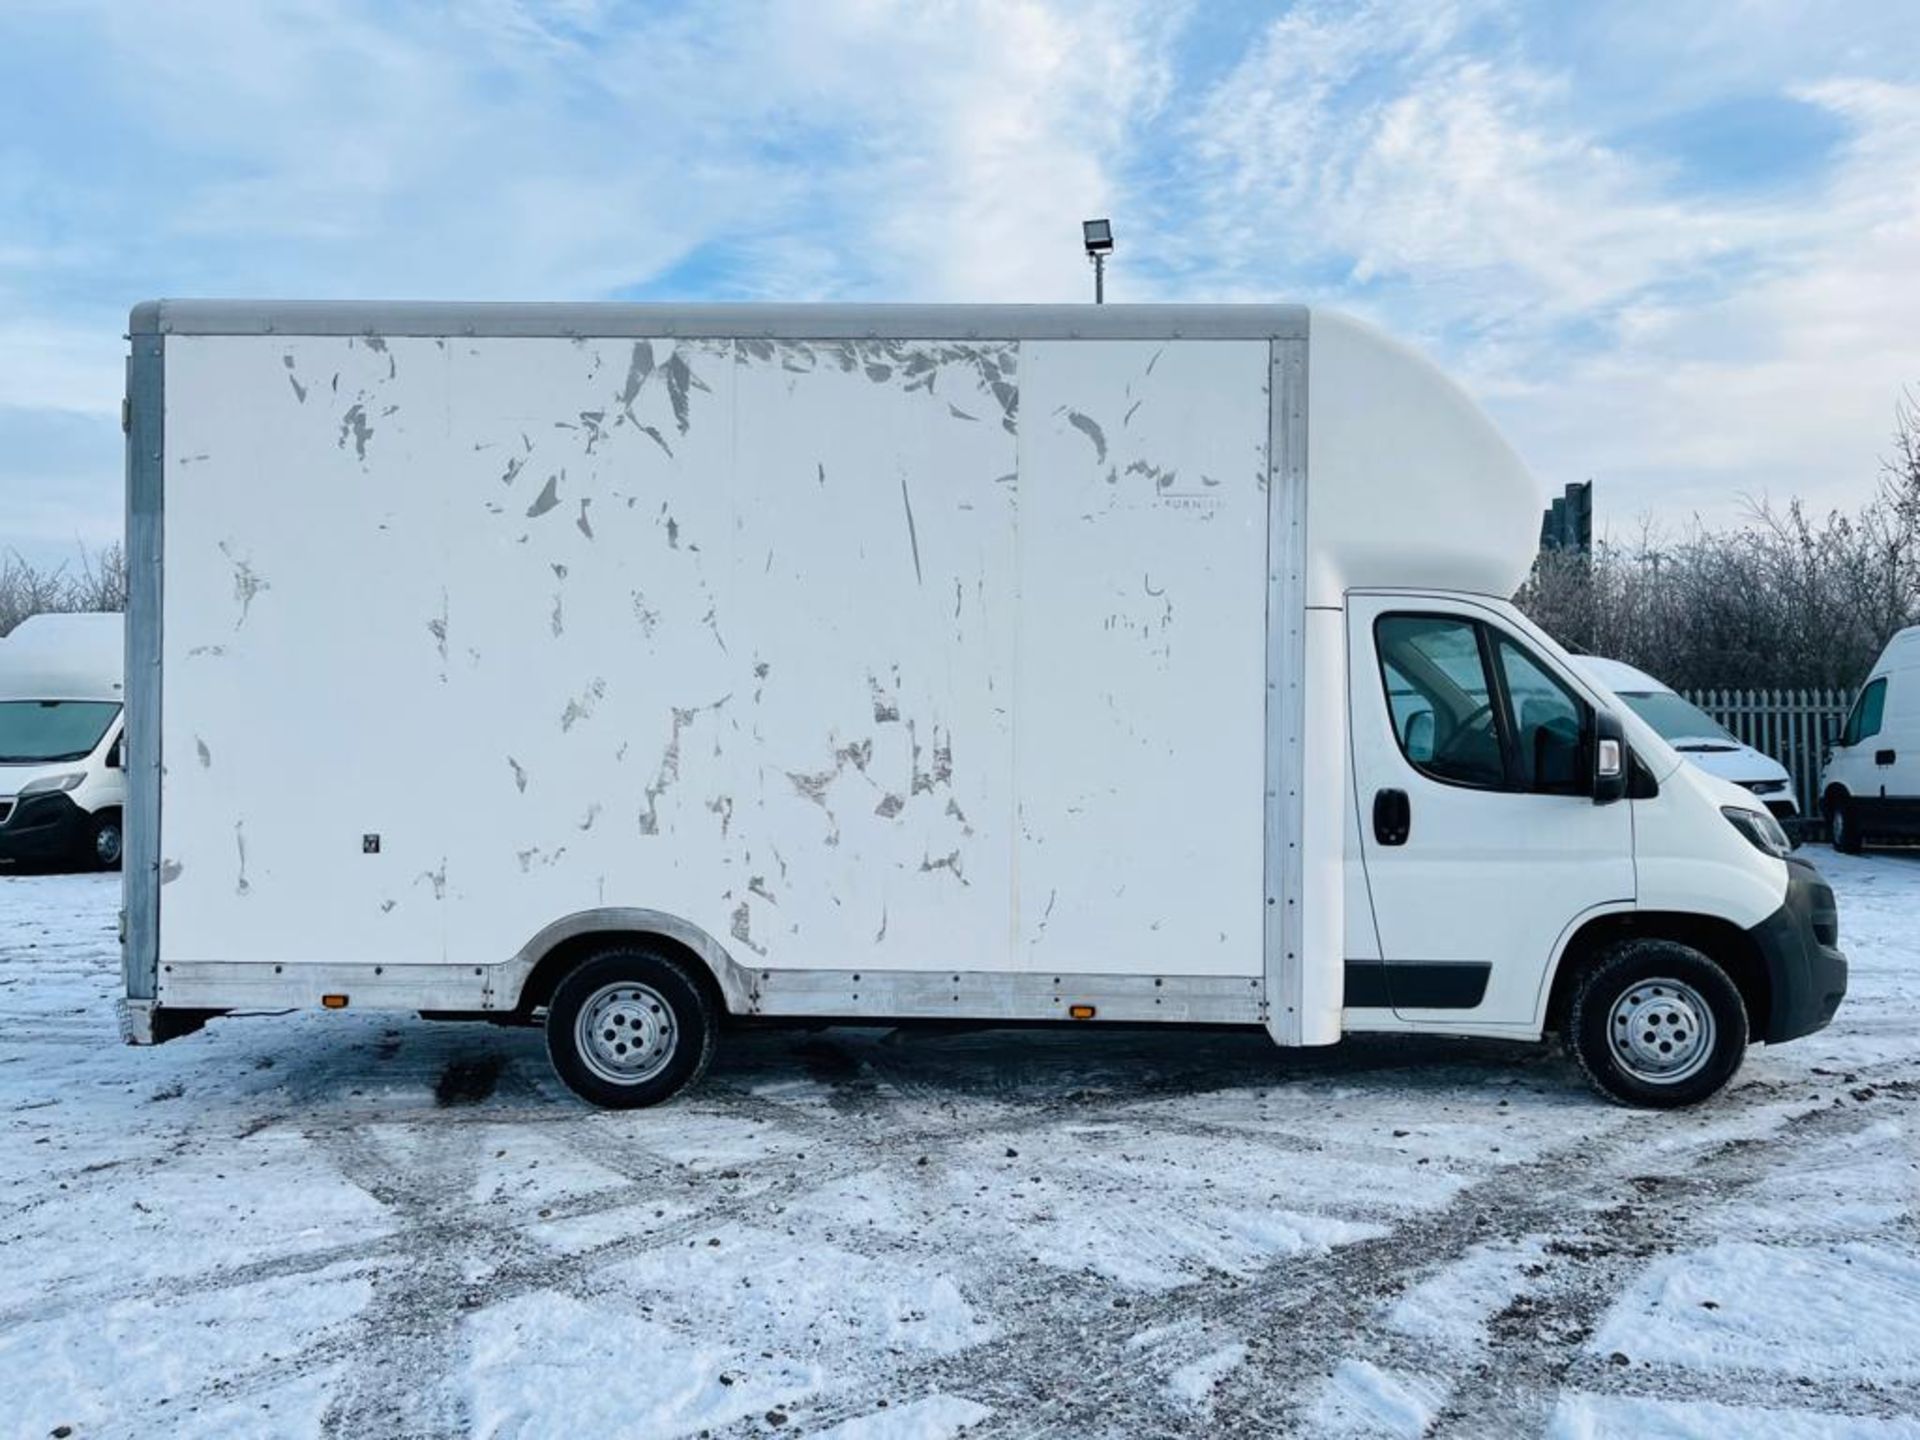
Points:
[(1661, 1031), (106, 845), (625, 1033)]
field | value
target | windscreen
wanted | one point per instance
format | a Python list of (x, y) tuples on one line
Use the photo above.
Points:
[(46, 731), (1676, 719)]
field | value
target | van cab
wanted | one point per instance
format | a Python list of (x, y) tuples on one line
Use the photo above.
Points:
[(63, 780), (1870, 788)]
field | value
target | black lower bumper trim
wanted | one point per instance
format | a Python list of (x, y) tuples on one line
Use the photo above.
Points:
[(1800, 946), (44, 830)]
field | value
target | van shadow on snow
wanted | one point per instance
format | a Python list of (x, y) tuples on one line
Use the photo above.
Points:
[(865, 1066)]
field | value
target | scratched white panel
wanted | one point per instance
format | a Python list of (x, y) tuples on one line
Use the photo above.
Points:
[(873, 556), (567, 626), (304, 505), (587, 615), (1140, 696)]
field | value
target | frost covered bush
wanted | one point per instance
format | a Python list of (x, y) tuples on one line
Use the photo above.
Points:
[(1783, 600), (100, 583)]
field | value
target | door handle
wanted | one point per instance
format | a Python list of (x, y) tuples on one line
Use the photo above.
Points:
[(1883, 757), (1392, 817)]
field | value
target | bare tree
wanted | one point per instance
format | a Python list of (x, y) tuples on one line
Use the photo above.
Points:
[(1782, 600), (100, 583)]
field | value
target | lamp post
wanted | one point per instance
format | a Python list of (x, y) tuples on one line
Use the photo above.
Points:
[(1098, 235)]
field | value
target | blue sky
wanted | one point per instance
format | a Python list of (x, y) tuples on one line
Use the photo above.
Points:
[(1673, 247)]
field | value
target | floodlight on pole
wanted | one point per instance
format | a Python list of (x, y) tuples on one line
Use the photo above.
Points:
[(1098, 235)]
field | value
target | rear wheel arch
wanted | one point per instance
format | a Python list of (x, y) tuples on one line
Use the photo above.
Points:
[(569, 943), (1719, 939)]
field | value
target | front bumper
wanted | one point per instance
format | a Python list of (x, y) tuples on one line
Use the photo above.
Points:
[(45, 829), (1800, 945), (1776, 795)]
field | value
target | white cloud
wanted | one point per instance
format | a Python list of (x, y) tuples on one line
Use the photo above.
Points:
[(1373, 138), (493, 147), (48, 364), (1727, 344), (1429, 164), (503, 148), (1785, 385)]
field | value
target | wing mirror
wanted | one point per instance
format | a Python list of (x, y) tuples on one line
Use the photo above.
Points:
[(1419, 736), (1609, 758)]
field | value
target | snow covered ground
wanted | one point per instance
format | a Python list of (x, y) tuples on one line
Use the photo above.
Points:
[(362, 1225)]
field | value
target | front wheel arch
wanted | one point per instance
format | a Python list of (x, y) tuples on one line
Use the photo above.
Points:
[(1727, 944)]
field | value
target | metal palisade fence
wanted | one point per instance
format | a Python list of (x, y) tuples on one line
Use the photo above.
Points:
[(1793, 726)]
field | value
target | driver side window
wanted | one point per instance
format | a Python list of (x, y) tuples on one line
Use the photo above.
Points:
[(1472, 706), (1548, 724), (1441, 698)]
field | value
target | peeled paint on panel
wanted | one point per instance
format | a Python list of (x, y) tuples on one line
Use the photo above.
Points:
[(776, 632)]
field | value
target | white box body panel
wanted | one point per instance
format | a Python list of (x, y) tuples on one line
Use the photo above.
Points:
[(855, 655)]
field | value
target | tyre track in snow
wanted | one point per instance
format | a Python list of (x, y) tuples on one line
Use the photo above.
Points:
[(426, 1184), (421, 1291), (1067, 1366), (1606, 1225), (1537, 1344), (857, 1132), (420, 1309)]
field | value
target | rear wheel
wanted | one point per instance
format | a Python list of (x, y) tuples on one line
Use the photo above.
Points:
[(1844, 825), (1656, 1024), (630, 1026)]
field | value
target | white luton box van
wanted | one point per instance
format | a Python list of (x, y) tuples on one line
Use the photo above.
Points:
[(626, 668)]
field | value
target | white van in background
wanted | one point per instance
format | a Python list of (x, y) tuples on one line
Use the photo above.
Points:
[(1697, 735), (62, 782), (1870, 789)]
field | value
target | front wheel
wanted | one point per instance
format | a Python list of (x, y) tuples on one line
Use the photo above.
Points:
[(1656, 1024), (105, 840), (630, 1026), (1845, 827)]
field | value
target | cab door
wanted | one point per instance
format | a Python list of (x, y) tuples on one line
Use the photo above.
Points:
[(1480, 838)]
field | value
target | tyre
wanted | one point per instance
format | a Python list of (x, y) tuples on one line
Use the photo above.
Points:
[(105, 840), (1656, 1024), (630, 1026), (1844, 825)]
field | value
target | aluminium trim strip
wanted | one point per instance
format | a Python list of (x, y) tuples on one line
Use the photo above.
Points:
[(146, 537), (774, 322), (876, 996), (1286, 697)]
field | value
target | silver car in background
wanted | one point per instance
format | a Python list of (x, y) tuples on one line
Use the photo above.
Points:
[(1697, 735)]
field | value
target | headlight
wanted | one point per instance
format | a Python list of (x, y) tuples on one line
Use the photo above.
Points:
[(52, 784), (1760, 828)]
